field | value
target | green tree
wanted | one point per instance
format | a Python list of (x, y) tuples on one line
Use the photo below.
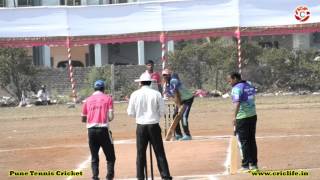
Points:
[(193, 59), (305, 71), (277, 65), (187, 63), (17, 73), (289, 69), (96, 73), (205, 64)]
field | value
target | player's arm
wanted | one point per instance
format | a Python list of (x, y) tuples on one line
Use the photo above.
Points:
[(167, 91), (110, 115), (236, 110), (39, 93), (83, 118), (110, 112), (84, 113), (236, 93), (161, 104), (174, 89), (131, 108), (158, 80)]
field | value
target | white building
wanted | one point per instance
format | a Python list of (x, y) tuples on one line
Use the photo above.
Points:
[(94, 54)]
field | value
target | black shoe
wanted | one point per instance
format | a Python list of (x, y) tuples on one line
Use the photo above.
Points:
[(244, 169), (166, 178), (254, 168)]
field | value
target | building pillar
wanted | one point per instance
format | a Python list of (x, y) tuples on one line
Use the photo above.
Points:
[(84, 2), (105, 54), (51, 3), (97, 55), (93, 2), (12, 3), (301, 41), (141, 57), (46, 56), (171, 46)]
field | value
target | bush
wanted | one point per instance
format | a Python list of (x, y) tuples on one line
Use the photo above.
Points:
[(203, 64), (194, 60), (103, 73), (17, 73)]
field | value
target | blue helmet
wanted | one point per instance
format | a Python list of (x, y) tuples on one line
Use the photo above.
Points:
[(175, 81), (99, 84)]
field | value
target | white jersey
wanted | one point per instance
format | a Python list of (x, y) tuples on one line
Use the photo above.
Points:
[(42, 95)]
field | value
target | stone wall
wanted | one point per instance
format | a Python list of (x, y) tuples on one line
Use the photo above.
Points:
[(58, 81)]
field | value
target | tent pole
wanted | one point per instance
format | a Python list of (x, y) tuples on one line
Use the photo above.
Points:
[(238, 36), (74, 95), (163, 42)]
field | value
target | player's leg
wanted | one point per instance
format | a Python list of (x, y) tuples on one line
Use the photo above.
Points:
[(243, 134), (185, 119), (141, 143), (252, 143), (94, 149), (108, 149), (157, 144)]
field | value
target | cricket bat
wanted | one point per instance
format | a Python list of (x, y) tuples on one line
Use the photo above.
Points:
[(234, 154), (174, 124), (177, 118)]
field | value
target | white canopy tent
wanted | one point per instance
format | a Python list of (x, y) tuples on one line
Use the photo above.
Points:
[(153, 21), (181, 19)]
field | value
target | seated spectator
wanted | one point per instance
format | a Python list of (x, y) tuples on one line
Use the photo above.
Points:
[(43, 96)]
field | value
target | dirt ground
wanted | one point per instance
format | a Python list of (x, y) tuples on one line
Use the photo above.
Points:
[(53, 138)]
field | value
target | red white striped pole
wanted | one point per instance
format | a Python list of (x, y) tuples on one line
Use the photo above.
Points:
[(238, 36), (163, 49), (73, 83)]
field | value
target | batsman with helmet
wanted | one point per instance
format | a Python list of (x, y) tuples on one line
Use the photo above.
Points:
[(97, 112)]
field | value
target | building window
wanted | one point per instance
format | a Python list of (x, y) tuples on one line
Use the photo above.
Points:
[(117, 1), (2, 3), (70, 2), (24, 3), (122, 1), (115, 48), (274, 44), (316, 37), (93, 2)]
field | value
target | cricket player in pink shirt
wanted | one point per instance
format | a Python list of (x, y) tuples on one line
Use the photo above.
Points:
[(97, 112)]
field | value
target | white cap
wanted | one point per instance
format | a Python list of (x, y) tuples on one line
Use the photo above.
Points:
[(144, 77)]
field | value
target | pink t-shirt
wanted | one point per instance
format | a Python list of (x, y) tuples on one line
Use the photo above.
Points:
[(96, 108), (155, 76)]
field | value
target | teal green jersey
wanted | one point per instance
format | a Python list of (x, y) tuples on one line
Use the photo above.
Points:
[(244, 93)]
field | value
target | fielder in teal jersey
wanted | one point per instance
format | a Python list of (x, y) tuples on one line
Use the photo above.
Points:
[(245, 119)]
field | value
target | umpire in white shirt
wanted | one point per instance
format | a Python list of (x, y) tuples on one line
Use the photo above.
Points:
[(147, 106)]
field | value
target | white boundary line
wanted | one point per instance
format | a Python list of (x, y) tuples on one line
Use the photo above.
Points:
[(127, 141), (85, 163), (133, 141), (81, 167), (42, 148), (228, 158)]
